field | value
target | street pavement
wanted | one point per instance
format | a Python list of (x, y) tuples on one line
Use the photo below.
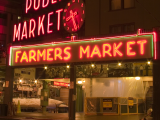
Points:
[(64, 116)]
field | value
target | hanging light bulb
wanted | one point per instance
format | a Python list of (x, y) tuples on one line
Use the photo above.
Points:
[(45, 67), (67, 66), (149, 62), (20, 81), (92, 65), (119, 64)]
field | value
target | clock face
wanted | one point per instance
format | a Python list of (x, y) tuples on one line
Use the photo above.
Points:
[(73, 15)]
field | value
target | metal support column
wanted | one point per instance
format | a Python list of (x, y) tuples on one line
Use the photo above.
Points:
[(156, 89), (156, 81), (72, 92), (44, 96)]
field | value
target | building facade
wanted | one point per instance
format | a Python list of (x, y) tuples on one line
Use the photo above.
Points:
[(118, 17), (8, 16), (96, 72)]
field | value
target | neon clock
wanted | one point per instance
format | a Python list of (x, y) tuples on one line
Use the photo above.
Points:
[(73, 15)]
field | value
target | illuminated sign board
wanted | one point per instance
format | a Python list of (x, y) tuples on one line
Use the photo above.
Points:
[(103, 49), (61, 84), (71, 18)]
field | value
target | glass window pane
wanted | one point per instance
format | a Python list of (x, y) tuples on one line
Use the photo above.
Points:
[(129, 28), (128, 3), (115, 4), (116, 29)]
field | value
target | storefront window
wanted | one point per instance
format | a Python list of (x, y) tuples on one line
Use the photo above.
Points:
[(34, 86), (101, 86)]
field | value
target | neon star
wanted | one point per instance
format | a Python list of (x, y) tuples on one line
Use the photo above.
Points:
[(72, 17)]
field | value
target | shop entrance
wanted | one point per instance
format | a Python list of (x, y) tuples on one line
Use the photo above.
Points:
[(110, 71), (115, 88), (42, 89)]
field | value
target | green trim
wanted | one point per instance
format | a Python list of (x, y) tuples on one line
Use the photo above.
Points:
[(49, 44)]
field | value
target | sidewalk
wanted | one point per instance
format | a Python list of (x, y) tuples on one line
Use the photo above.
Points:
[(64, 116)]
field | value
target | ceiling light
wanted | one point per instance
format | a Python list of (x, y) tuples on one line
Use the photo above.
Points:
[(149, 62), (79, 82), (92, 65), (119, 64), (137, 78), (67, 66)]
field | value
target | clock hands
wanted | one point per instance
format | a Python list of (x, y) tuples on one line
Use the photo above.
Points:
[(72, 17)]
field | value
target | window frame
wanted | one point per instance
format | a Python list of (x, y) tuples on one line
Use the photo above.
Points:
[(122, 28), (122, 6)]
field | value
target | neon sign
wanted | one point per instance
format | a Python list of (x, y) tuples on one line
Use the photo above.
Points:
[(37, 4), (46, 23), (32, 28), (61, 84), (106, 49)]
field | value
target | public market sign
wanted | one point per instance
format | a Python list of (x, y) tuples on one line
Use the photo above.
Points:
[(71, 18), (104, 49)]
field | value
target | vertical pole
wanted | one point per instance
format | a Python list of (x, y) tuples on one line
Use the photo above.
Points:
[(44, 96), (91, 87), (156, 81), (156, 89), (72, 92), (91, 84), (8, 90)]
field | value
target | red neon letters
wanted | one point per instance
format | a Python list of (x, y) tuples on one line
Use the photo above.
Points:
[(112, 50), (40, 24), (108, 51), (54, 1), (24, 31), (41, 54), (24, 57), (28, 5), (129, 48), (61, 84), (116, 49), (36, 4), (59, 18), (142, 43), (82, 51), (30, 32), (45, 4), (105, 51), (17, 56), (32, 55), (49, 24), (32, 29), (67, 53), (96, 51), (49, 54), (17, 32), (58, 53)]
